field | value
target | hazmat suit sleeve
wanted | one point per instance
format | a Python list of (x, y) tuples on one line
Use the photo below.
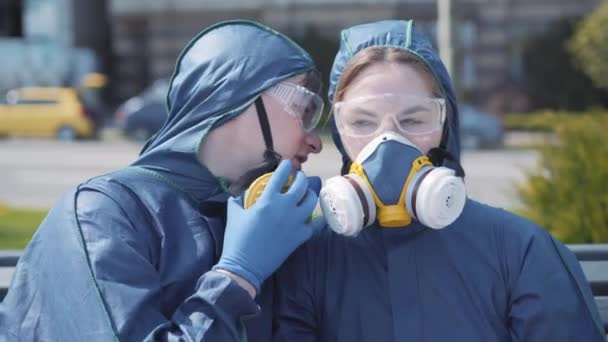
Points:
[(294, 310), (550, 298), (129, 284)]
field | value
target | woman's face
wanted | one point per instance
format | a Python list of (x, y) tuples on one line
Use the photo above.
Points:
[(400, 80), (290, 139)]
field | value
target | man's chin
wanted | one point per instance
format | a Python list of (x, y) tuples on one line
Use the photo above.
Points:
[(296, 164), (239, 186)]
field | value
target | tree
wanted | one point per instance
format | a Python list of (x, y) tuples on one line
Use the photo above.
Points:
[(553, 80), (589, 46)]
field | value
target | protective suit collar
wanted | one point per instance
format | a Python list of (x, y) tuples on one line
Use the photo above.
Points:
[(217, 76), (403, 35)]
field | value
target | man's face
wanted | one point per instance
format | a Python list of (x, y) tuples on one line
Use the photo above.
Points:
[(290, 139)]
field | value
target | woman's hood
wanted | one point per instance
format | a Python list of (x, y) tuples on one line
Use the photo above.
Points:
[(403, 35)]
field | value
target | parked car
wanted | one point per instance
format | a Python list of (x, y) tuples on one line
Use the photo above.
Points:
[(142, 116), (45, 112), (479, 129)]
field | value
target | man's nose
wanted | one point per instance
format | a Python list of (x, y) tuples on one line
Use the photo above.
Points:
[(314, 141)]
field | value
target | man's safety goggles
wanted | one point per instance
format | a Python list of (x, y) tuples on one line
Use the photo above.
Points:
[(299, 102)]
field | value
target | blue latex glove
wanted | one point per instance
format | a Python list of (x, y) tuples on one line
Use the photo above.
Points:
[(314, 184), (259, 239)]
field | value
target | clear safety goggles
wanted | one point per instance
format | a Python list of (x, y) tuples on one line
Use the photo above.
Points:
[(300, 103), (371, 115)]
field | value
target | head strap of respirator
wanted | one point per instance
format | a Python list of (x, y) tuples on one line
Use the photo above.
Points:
[(271, 157)]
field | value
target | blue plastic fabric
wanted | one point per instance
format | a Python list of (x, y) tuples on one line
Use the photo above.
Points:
[(490, 276), (127, 256)]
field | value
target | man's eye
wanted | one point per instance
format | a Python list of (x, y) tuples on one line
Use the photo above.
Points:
[(311, 108)]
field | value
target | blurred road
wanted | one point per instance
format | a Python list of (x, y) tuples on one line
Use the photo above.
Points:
[(34, 173)]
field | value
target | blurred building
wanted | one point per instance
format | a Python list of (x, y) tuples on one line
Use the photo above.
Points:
[(52, 42), (488, 35)]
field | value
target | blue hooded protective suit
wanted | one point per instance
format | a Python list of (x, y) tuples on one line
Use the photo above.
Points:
[(489, 276), (127, 255)]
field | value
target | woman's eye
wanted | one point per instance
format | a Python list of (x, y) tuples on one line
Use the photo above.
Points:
[(362, 123), (410, 122)]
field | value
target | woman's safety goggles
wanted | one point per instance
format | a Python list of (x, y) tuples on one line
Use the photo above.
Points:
[(371, 115), (300, 103)]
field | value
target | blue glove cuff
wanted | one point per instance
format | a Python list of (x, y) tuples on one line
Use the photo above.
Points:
[(237, 268)]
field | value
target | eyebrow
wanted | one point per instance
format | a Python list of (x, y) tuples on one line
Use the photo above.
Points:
[(366, 112), (413, 110)]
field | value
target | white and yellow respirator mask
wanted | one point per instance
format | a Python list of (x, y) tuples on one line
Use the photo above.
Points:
[(392, 181)]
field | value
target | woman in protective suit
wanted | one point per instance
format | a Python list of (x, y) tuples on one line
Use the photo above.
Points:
[(148, 252), (408, 256)]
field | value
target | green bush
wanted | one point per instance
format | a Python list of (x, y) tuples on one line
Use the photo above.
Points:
[(18, 225), (568, 193), (547, 120)]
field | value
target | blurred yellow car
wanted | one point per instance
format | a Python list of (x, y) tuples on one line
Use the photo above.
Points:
[(45, 112)]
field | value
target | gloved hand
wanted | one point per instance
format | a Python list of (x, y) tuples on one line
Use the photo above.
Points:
[(257, 240), (314, 184)]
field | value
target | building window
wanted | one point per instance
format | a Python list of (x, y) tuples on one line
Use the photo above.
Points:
[(468, 38), (11, 18)]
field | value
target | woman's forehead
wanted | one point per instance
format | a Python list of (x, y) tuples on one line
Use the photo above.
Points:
[(382, 78), (386, 104)]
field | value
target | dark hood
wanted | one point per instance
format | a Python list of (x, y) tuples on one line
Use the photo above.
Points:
[(217, 76)]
